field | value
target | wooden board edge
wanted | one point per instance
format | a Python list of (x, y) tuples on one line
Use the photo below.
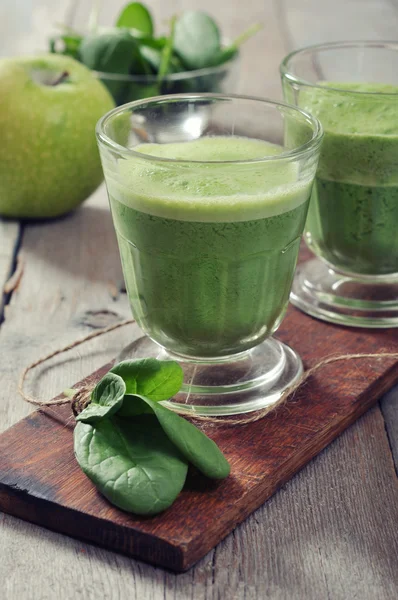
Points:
[(181, 558), (195, 550), (60, 519)]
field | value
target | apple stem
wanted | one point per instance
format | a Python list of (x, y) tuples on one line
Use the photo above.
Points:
[(61, 78)]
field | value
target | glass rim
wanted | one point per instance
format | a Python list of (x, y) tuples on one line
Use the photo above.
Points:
[(285, 72), (309, 146), (180, 76)]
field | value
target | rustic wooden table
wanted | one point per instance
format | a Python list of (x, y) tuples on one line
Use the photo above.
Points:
[(331, 532)]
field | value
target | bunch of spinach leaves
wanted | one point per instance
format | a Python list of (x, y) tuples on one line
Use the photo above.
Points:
[(136, 451), (132, 49)]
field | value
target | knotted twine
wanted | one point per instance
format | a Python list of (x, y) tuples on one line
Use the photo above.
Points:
[(81, 397)]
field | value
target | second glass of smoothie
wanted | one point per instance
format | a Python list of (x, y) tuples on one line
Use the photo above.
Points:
[(209, 196), (352, 226)]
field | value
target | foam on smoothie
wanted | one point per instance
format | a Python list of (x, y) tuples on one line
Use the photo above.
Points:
[(208, 191), (354, 114), (361, 131)]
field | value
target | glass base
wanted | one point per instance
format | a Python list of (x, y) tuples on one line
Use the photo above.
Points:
[(232, 385), (346, 299)]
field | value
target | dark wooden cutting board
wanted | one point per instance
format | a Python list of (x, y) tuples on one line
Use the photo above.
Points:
[(41, 482)]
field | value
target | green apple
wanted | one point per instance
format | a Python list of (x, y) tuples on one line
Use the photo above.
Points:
[(49, 162)]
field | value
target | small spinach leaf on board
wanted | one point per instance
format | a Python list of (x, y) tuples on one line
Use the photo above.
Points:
[(196, 447), (133, 406), (106, 399), (136, 16), (196, 39), (149, 377), (155, 379), (133, 464)]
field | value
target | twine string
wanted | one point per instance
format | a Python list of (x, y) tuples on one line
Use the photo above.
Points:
[(47, 357), (81, 397), (260, 414)]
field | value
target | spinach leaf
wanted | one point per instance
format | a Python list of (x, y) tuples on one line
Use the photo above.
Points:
[(155, 379), (197, 448), (140, 465), (133, 464), (106, 399), (109, 52), (139, 65), (223, 56), (156, 43), (196, 39), (152, 56), (136, 16)]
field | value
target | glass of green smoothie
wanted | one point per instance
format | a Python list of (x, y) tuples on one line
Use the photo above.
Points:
[(209, 196), (352, 226)]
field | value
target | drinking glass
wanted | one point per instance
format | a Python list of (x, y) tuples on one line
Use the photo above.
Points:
[(209, 196), (352, 226)]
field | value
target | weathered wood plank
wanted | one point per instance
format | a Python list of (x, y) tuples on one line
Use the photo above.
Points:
[(9, 241), (389, 409), (70, 284), (49, 489), (298, 545), (316, 540)]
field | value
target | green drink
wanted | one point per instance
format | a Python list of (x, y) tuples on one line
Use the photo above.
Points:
[(353, 218), (208, 273), (352, 87), (209, 197)]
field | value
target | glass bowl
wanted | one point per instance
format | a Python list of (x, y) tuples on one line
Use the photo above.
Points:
[(223, 79)]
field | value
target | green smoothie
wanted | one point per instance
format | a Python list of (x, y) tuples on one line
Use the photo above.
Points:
[(208, 250), (353, 216)]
